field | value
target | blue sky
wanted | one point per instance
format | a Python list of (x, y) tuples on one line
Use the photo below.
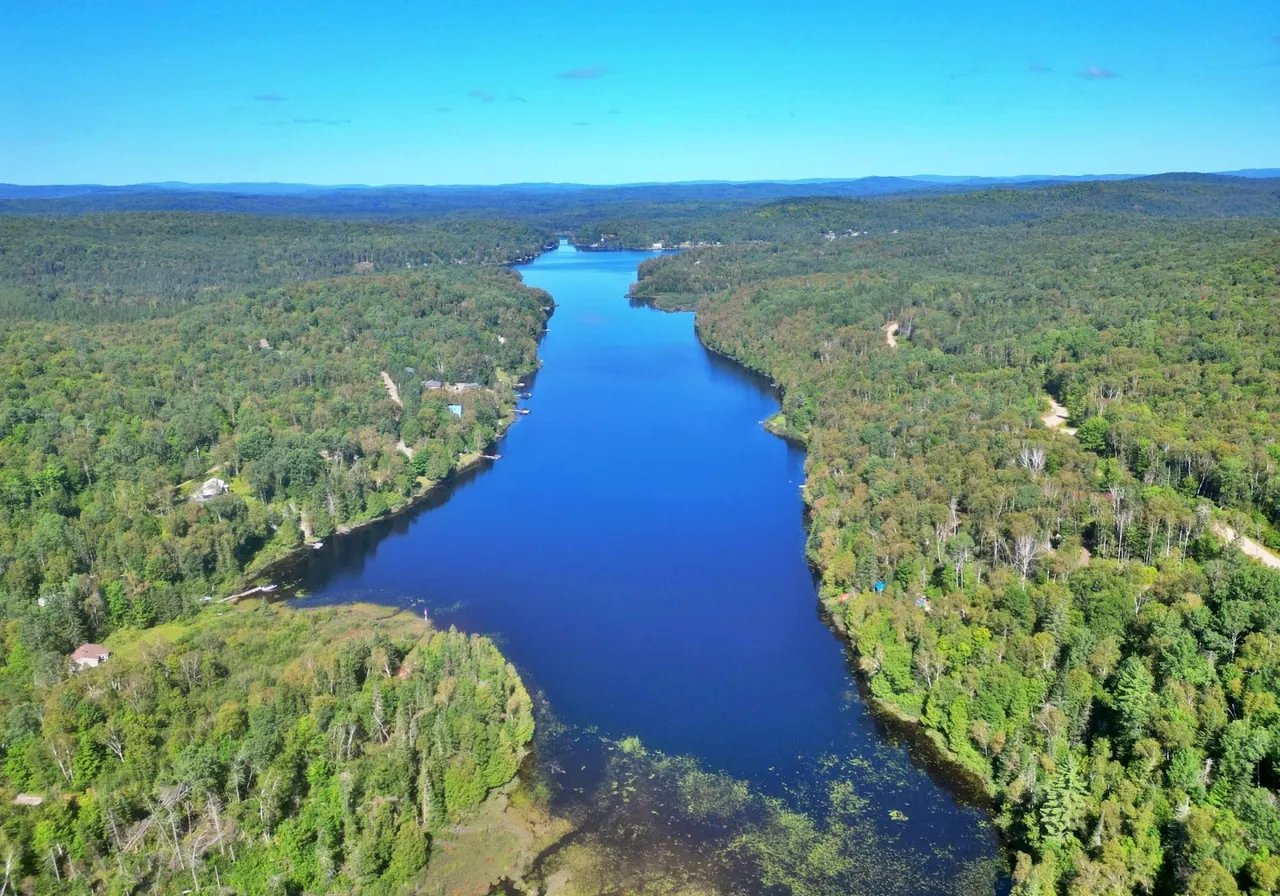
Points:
[(499, 92)]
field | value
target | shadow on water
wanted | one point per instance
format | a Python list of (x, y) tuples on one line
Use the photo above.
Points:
[(347, 553)]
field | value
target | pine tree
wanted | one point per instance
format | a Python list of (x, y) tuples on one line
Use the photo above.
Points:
[(1064, 801), (1133, 698)]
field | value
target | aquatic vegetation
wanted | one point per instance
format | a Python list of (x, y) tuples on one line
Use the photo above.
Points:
[(660, 824)]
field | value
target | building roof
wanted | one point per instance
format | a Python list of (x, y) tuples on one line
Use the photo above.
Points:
[(211, 489), (90, 652)]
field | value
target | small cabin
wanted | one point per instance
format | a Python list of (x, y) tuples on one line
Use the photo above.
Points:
[(212, 488), (433, 384), (465, 387), (88, 656)]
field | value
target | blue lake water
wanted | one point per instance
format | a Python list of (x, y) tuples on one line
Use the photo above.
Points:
[(638, 553)]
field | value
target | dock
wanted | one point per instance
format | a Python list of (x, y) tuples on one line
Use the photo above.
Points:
[(260, 589)]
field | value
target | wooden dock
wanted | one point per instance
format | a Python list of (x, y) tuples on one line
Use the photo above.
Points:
[(260, 589)]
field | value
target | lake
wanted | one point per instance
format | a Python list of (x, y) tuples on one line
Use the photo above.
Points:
[(638, 553)]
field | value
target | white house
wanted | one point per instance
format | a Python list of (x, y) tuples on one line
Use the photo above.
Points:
[(87, 656)]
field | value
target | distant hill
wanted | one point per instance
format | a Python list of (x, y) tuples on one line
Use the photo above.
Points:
[(1254, 172), (561, 205), (1074, 205)]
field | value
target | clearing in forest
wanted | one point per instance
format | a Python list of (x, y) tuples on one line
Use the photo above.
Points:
[(1057, 417), (392, 389), (891, 333), (1250, 547)]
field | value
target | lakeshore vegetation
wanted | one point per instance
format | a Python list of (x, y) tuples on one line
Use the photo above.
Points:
[(262, 749)]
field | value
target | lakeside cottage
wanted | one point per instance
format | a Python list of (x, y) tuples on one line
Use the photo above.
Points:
[(212, 488), (464, 387), (433, 384), (88, 656)]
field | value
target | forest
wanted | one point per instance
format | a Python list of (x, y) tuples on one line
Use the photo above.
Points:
[(185, 398), (275, 392), (107, 267), (1035, 420), (1054, 600), (259, 750)]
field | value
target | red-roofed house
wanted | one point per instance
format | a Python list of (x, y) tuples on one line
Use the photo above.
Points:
[(89, 655)]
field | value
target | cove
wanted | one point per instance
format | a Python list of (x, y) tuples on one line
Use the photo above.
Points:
[(639, 553)]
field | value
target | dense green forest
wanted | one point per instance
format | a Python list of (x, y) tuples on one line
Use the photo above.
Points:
[(276, 392), (107, 432), (264, 750), (1055, 598), (1056, 606), (182, 399), (121, 266)]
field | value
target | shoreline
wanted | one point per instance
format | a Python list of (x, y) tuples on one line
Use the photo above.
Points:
[(939, 762), (472, 462), (467, 462)]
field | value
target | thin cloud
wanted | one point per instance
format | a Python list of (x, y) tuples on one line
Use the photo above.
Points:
[(483, 96), (329, 122), (589, 73), (518, 99), (269, 98), (1098, 73), (615, 112), (1038, 69), (973, 72), (581, 124), (443, 109)]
